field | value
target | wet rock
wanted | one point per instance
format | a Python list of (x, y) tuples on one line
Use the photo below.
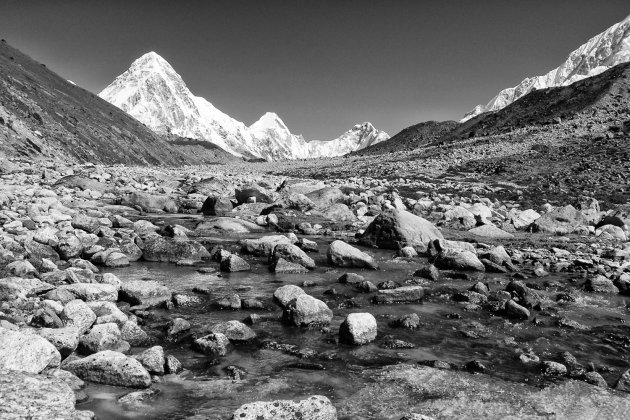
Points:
[(403, 294), (231, 301), (314, 408), (77, 313), (307, 245), (596, 379), (173, 249), (172, 365), (389, 284), (409, 321), (393, 343), (234, 263), (623, 383), (366, 287), (111, 368), (216, 344), (263, 246), (26, 352), (133, 334), (282, 266), (141, 292), (31, 396), (351, 278), (514, 310), (407, 252), (358, 329), (481, 288), (103, 337), (305, 310), (550, 368), (429, 272), (234, 331), (217, 206), (600, 284), (285, 294), (228, 224), (153, 359), (458, 260), (177, 326), (397, 229), (136, 400), (341, 254), (293, 254), (65, 340)]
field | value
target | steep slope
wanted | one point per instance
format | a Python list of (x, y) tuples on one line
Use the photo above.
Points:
[(153, 92), (600, 53), (411, 138), (44, 116), (601, 98)]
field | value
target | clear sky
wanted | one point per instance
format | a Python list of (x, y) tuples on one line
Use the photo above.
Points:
[(323, 66)]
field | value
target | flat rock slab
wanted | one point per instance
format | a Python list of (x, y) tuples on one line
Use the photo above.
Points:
[(405, 389), (316, 407), (31, 396)]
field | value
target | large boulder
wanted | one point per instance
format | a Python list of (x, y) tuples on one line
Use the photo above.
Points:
[(263, 246), (339, 212), (141, 292), (291, 253), (14, 287), (26, 352), (92, 291), (78, 314), (253, 193), (153, 359), (65, 339), (458, 260), (227, 224), (358, 329), (103, 337), (216, 206), (326, 197), (111, 368), (404, 294), (490, 231), (316, 407), (341, 254), (397, 229), (151, 203), (159, 248), (523, 219), (234, 331), (215, 344), (560, 221), (305, 310), (26, 395), (285, 294)]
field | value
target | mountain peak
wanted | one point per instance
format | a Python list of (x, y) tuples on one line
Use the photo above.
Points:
[(269, 121), (598, 54), (150, 61)]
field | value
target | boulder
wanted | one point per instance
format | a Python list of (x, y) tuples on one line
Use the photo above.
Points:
[(514, 310), (133, 334), (159, 248), (234, 331), (316, 407), (490, 231), (458, 260), (151, 203), (358, 329), (326, 196), (305, 310), (215, 344), (153, 359), (404, 294), (397, 229), (339, 212), (560, 221), (228, 224), (253, 193), (293, 254), (92, 291), (141, 292), (103, 337), (234, 263), (65, 340), (263, 246), (216, 206), (341, 254), (523, 219), (77, 313), (26, 351), (600, 284), (111, 368), (31, 396), (285, 294)]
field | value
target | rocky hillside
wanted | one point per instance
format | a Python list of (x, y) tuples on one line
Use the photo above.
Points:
[(411, 138), (43, 116)]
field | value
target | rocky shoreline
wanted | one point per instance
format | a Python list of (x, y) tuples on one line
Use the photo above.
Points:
[(66, 318)]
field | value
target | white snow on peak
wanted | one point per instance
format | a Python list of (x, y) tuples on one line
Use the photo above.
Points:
[(155, 94), (603, 51)]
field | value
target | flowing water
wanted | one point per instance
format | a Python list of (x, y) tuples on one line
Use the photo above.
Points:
[(449, 331)]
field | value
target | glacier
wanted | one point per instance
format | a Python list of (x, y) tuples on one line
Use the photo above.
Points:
[(156, 95)]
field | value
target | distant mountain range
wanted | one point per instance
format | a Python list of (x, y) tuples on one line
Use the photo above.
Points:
[(155, 94), (599, 54)]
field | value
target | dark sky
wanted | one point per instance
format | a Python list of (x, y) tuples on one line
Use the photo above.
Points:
[(323, 66)]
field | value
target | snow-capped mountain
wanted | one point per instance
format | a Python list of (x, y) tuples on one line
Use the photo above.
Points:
[(600, 53), (153, 92)]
